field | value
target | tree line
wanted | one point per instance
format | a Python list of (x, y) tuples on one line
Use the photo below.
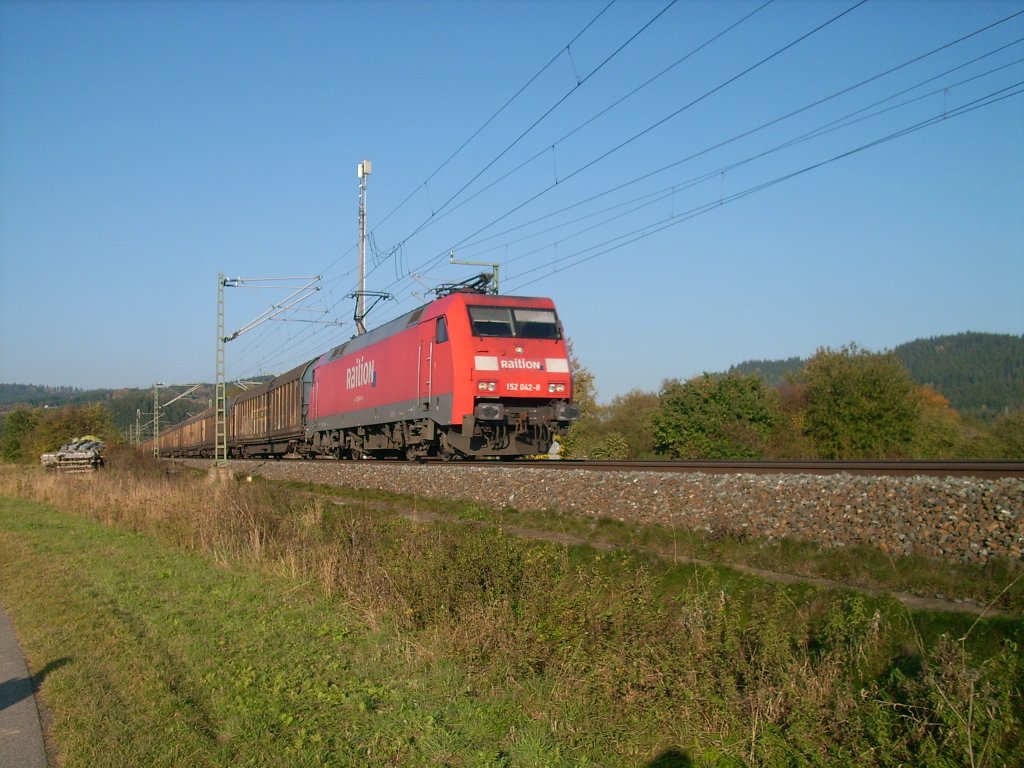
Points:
[(981, 374), (846, 403), (27, 433), (48, 417)]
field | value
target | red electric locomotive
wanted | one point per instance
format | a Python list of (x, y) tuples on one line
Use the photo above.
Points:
[(467, 375)]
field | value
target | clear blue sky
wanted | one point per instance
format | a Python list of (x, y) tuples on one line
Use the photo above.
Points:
[(601, 155)]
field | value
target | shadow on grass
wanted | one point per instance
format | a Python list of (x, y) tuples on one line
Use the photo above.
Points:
[(19, 688), (671, 758)]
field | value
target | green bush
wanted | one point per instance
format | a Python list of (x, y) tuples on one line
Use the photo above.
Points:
[(29, 433), (860, 405), (728, 416)]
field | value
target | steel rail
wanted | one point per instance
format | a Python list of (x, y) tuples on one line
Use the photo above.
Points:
[(980, 469)]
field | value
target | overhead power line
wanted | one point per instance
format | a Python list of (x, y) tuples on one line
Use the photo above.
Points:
[(605, 110), (780, 119), (306, 340), (579, 83), (648, 230), (605, 155), (499, 111), (650, 198)]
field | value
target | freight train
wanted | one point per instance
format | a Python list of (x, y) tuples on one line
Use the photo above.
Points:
[(467, 375)]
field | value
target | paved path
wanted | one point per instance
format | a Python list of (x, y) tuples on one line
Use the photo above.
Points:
[(21, 736)]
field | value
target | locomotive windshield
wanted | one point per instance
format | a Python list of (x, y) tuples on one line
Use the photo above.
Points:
[(514, 322)]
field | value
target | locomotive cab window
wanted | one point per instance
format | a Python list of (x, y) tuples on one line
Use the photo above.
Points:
[(536, 324), (514, 322), (441, 330), (491, 321)]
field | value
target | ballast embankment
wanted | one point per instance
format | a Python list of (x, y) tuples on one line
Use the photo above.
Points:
[(956, 518)]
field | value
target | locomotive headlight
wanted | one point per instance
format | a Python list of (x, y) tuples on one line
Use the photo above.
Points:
[(487, 386), (553, 388)]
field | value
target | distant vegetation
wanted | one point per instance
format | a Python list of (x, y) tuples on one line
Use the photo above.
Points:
[(61, 413), (122, 403), (773, 372), (946, 397), (848, 403), (37, 396), (981, 374)]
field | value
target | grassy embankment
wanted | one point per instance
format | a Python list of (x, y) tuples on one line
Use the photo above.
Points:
[(177, 622)]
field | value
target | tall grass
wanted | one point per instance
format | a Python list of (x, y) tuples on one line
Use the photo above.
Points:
[(608, 661)]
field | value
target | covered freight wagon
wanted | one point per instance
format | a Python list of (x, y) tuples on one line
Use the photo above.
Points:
[(270, 420)]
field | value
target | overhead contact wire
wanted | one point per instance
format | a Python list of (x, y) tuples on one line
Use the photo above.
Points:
[(659, 226), (537, 122), (501, 109), (610, 107), (651, 127), (780, 119)]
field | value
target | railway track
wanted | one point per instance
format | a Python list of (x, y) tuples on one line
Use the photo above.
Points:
[(988, 469), (980, 469)]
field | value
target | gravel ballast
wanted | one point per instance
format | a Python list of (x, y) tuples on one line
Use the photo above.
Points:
[(956, 518)]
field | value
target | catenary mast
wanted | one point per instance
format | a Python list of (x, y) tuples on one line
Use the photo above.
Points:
[(363, 173)]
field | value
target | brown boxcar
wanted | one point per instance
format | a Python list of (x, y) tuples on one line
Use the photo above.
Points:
[(269, 420), (191, 438)]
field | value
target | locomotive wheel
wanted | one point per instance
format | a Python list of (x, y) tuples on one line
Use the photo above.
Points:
[(445, 449)]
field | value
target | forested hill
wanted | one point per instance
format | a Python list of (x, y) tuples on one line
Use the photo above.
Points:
[(774, 372), (34, 395), (982, 374)]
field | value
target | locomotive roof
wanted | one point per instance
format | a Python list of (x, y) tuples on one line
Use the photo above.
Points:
[(426, 311)]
